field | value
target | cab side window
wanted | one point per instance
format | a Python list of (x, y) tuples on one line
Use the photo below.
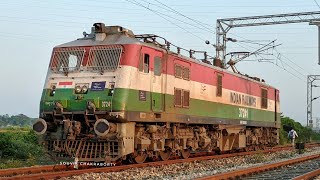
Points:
[(144, 63), (146, 60)]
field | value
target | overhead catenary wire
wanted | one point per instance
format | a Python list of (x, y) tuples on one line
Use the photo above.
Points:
[(289, 71), (294, 69), (292, 61), (279, 59), (162, 16), (204, 25), (300, 74), (247, 41), (283, 68), (181, 21), (135, 1)]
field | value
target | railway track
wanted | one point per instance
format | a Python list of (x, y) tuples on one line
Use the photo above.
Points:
[(54, 172), (302, 168)]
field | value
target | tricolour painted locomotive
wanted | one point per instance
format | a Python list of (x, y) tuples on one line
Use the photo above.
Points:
[(111, 96)]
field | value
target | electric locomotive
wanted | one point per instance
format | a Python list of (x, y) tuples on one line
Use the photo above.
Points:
[(113, 96)]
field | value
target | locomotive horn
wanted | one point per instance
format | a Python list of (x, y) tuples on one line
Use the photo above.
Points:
[(102, 127), (40, 126)]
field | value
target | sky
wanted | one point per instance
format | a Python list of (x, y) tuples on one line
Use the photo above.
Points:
[(30, 29)]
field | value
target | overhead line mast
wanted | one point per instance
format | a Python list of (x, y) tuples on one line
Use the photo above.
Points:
[(224, 25)]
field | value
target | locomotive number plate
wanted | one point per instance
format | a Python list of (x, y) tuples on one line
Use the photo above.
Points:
[(243, 113)]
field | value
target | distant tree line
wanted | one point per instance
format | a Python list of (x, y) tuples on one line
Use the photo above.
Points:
[(16, 120)]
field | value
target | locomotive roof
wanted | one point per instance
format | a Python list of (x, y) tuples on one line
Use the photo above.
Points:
[(109, 40), (125, 39)]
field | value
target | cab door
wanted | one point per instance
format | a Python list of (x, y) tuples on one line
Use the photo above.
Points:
[(157, 75)]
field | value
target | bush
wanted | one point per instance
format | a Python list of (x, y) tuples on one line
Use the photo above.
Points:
[(19, 145)]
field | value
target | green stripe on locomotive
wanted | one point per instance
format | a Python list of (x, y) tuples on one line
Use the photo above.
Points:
[(128, 100), (78, 102)]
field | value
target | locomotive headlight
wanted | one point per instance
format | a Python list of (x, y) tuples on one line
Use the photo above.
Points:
[(81, 88), (78, 89), (84, 89)]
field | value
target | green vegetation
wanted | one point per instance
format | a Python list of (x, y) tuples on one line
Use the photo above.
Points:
[(19, 147), (18, 143), (305, 134)]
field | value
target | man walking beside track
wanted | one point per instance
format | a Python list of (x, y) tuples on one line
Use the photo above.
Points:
[(292, 135)]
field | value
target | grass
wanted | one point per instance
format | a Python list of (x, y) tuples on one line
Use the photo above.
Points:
[(19, 148), (15, 129)]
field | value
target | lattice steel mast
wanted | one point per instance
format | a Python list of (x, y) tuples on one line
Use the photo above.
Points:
[(310, 80), (224, 25)]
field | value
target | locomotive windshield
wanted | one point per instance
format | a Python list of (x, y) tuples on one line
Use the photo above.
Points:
[(104, 58), (98, 58), (67, 59)]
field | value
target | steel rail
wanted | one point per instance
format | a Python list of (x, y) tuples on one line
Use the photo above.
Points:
[(308, 175), (36, 169)]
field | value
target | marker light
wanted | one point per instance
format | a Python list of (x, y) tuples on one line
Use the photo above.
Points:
[(111, 88)]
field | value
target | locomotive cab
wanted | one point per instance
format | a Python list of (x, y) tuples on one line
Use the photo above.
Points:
[(84, 75)]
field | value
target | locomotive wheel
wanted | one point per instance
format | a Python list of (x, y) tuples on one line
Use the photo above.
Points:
[(140, 157), (185, 153), (165, 155)]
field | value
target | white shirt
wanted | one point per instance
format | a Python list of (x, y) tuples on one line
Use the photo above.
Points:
[(294, 134)]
